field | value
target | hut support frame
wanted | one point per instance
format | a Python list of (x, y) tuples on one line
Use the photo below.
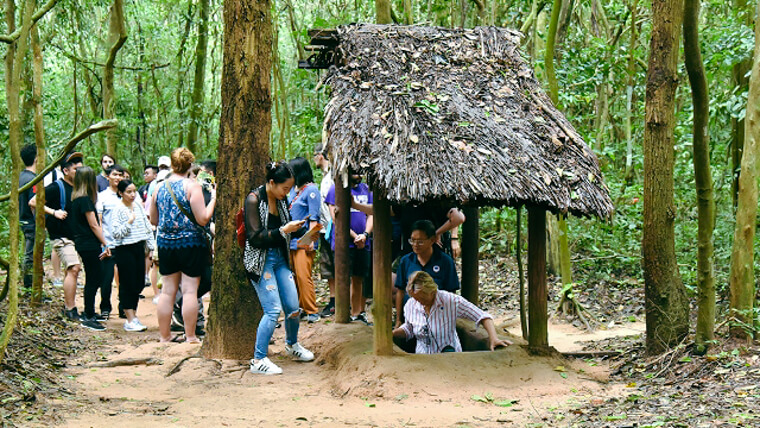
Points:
[(382, 302), (537, 291), (470, 242), (342, 261)]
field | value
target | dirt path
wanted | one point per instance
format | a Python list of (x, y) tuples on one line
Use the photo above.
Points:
[(346, 385)]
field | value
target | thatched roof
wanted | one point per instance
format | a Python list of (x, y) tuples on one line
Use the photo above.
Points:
[(449, 114)]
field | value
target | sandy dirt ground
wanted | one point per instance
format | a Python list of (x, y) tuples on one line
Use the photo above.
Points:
[(345, 386)]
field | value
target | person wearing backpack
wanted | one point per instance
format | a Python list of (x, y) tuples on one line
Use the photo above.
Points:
[(268, 228), (57, 202), (179, 212)]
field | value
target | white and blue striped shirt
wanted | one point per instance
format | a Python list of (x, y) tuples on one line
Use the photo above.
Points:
[(439, 329), (125, 233)]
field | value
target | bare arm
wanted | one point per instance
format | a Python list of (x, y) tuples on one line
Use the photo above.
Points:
[(201, 211), (153, 213), (493, 340), (365, 208), (59, 214)]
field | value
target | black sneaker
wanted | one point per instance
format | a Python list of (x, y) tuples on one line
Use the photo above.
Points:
[(328, 310), (103, 315), (361, 317), (122, 315), (92, 324), (71, 314)]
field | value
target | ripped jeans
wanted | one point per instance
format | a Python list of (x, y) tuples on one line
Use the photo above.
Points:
[(277, 292)]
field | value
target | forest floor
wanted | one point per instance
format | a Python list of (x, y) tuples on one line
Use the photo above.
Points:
[(56, 373)]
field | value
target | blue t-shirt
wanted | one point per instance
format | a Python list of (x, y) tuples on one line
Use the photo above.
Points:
[(440, 266), (307, 202), (362, 195)]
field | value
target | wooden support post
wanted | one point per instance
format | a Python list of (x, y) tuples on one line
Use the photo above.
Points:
[(342, 260), (382, 302), (470, 242), (537, 291)]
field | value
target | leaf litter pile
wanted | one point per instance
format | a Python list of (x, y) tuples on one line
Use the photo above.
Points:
[(431, 113), (38, 350)]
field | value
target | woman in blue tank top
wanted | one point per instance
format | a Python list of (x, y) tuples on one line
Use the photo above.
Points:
[(182, 247)]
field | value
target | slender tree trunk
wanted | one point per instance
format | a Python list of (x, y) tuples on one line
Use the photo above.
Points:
[(667, 307), (244, 129), (702, 174), (182, 70), (295, 31), (408, 12), (549, 52), (565, 16), (740, 80), (383, 11), (39, 139), (742, 280), (196, 106), (14, 62), (629, 96), (75, 98), (117, 35), (521, 276)]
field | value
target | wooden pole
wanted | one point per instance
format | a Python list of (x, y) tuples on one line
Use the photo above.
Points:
[(342, 261), (470, 247), (381, 279), (537, 292)]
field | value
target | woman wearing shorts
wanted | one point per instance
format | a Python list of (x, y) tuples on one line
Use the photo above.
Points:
[(182, 246)]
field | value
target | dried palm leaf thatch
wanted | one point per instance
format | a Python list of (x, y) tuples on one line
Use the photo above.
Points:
[(454, 114)]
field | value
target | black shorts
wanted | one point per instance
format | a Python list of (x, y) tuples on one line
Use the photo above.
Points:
[(359, 260), (191, 261), (326, 259)]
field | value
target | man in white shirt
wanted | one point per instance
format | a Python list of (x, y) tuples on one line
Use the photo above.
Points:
[(108, 200)]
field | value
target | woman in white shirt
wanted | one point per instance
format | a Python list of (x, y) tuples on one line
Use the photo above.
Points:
[(431, 317), (132, 236)]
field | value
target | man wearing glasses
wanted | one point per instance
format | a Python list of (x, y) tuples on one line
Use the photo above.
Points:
[(426, 257)]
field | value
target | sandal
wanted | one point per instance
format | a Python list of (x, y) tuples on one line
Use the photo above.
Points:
[(180, 338)]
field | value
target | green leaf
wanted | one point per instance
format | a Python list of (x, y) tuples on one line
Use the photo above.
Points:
[(478, 398), (505, 403), (369, 404), (616, 417)]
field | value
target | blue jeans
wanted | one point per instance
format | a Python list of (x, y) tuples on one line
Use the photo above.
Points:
[(277, 292)]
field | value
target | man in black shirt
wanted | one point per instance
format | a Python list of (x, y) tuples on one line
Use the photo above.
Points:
[(57, 201), (26, 215)]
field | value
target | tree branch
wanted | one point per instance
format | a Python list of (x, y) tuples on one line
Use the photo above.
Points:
[(10, 38), (100, 126)]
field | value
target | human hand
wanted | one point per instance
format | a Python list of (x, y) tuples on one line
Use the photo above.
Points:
[(361, 240), (105, 253), (60, 214), (456, 250), (495, 342), (292, 226)]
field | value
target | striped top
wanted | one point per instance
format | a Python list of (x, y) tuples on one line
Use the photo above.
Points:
[(439, 329), (125, 233)]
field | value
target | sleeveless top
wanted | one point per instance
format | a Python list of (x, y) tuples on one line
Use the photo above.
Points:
[(175, 230)]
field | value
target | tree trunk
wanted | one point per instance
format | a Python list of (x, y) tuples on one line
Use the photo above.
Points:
[(549, 53), (181, 70), (629, 97), (565, 16), (13, 63), (383, 11), (667, 307), (521, 276), (39, 140), (408, 12), (742, 279), (382, 305), (553, 264), (470, 242), (537, 292), (702, 175), (741, 81), (244, 130), (196, 106), (117, 35)]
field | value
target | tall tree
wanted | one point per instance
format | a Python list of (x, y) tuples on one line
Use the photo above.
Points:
[(14, 62), (742, 280), (39, 140), (383, 11), (201, 47), (667, 307), (702, 175), (117, 35), (244, 129), (740, 80)]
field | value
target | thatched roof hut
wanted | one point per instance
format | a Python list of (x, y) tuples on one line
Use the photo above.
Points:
[(433, 113)]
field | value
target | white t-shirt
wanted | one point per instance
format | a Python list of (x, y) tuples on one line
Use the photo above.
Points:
[(324, 211), (108, 201)]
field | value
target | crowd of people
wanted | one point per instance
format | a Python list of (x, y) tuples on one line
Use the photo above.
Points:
[(106, 225)]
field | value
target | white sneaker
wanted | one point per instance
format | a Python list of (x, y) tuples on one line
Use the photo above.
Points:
[(155, 300), (134, 325), (265, 367), (299, 352)]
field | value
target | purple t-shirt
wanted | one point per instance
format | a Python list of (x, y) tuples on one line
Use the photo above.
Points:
[(358, 219)]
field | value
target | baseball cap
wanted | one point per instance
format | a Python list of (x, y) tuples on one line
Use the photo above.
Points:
[(164, 161), (73, 155)]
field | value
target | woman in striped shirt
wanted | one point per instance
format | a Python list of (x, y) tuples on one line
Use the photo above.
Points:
[(132, 236), (431, 317)]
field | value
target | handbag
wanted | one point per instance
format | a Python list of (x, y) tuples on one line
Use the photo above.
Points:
[(206, 235)]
